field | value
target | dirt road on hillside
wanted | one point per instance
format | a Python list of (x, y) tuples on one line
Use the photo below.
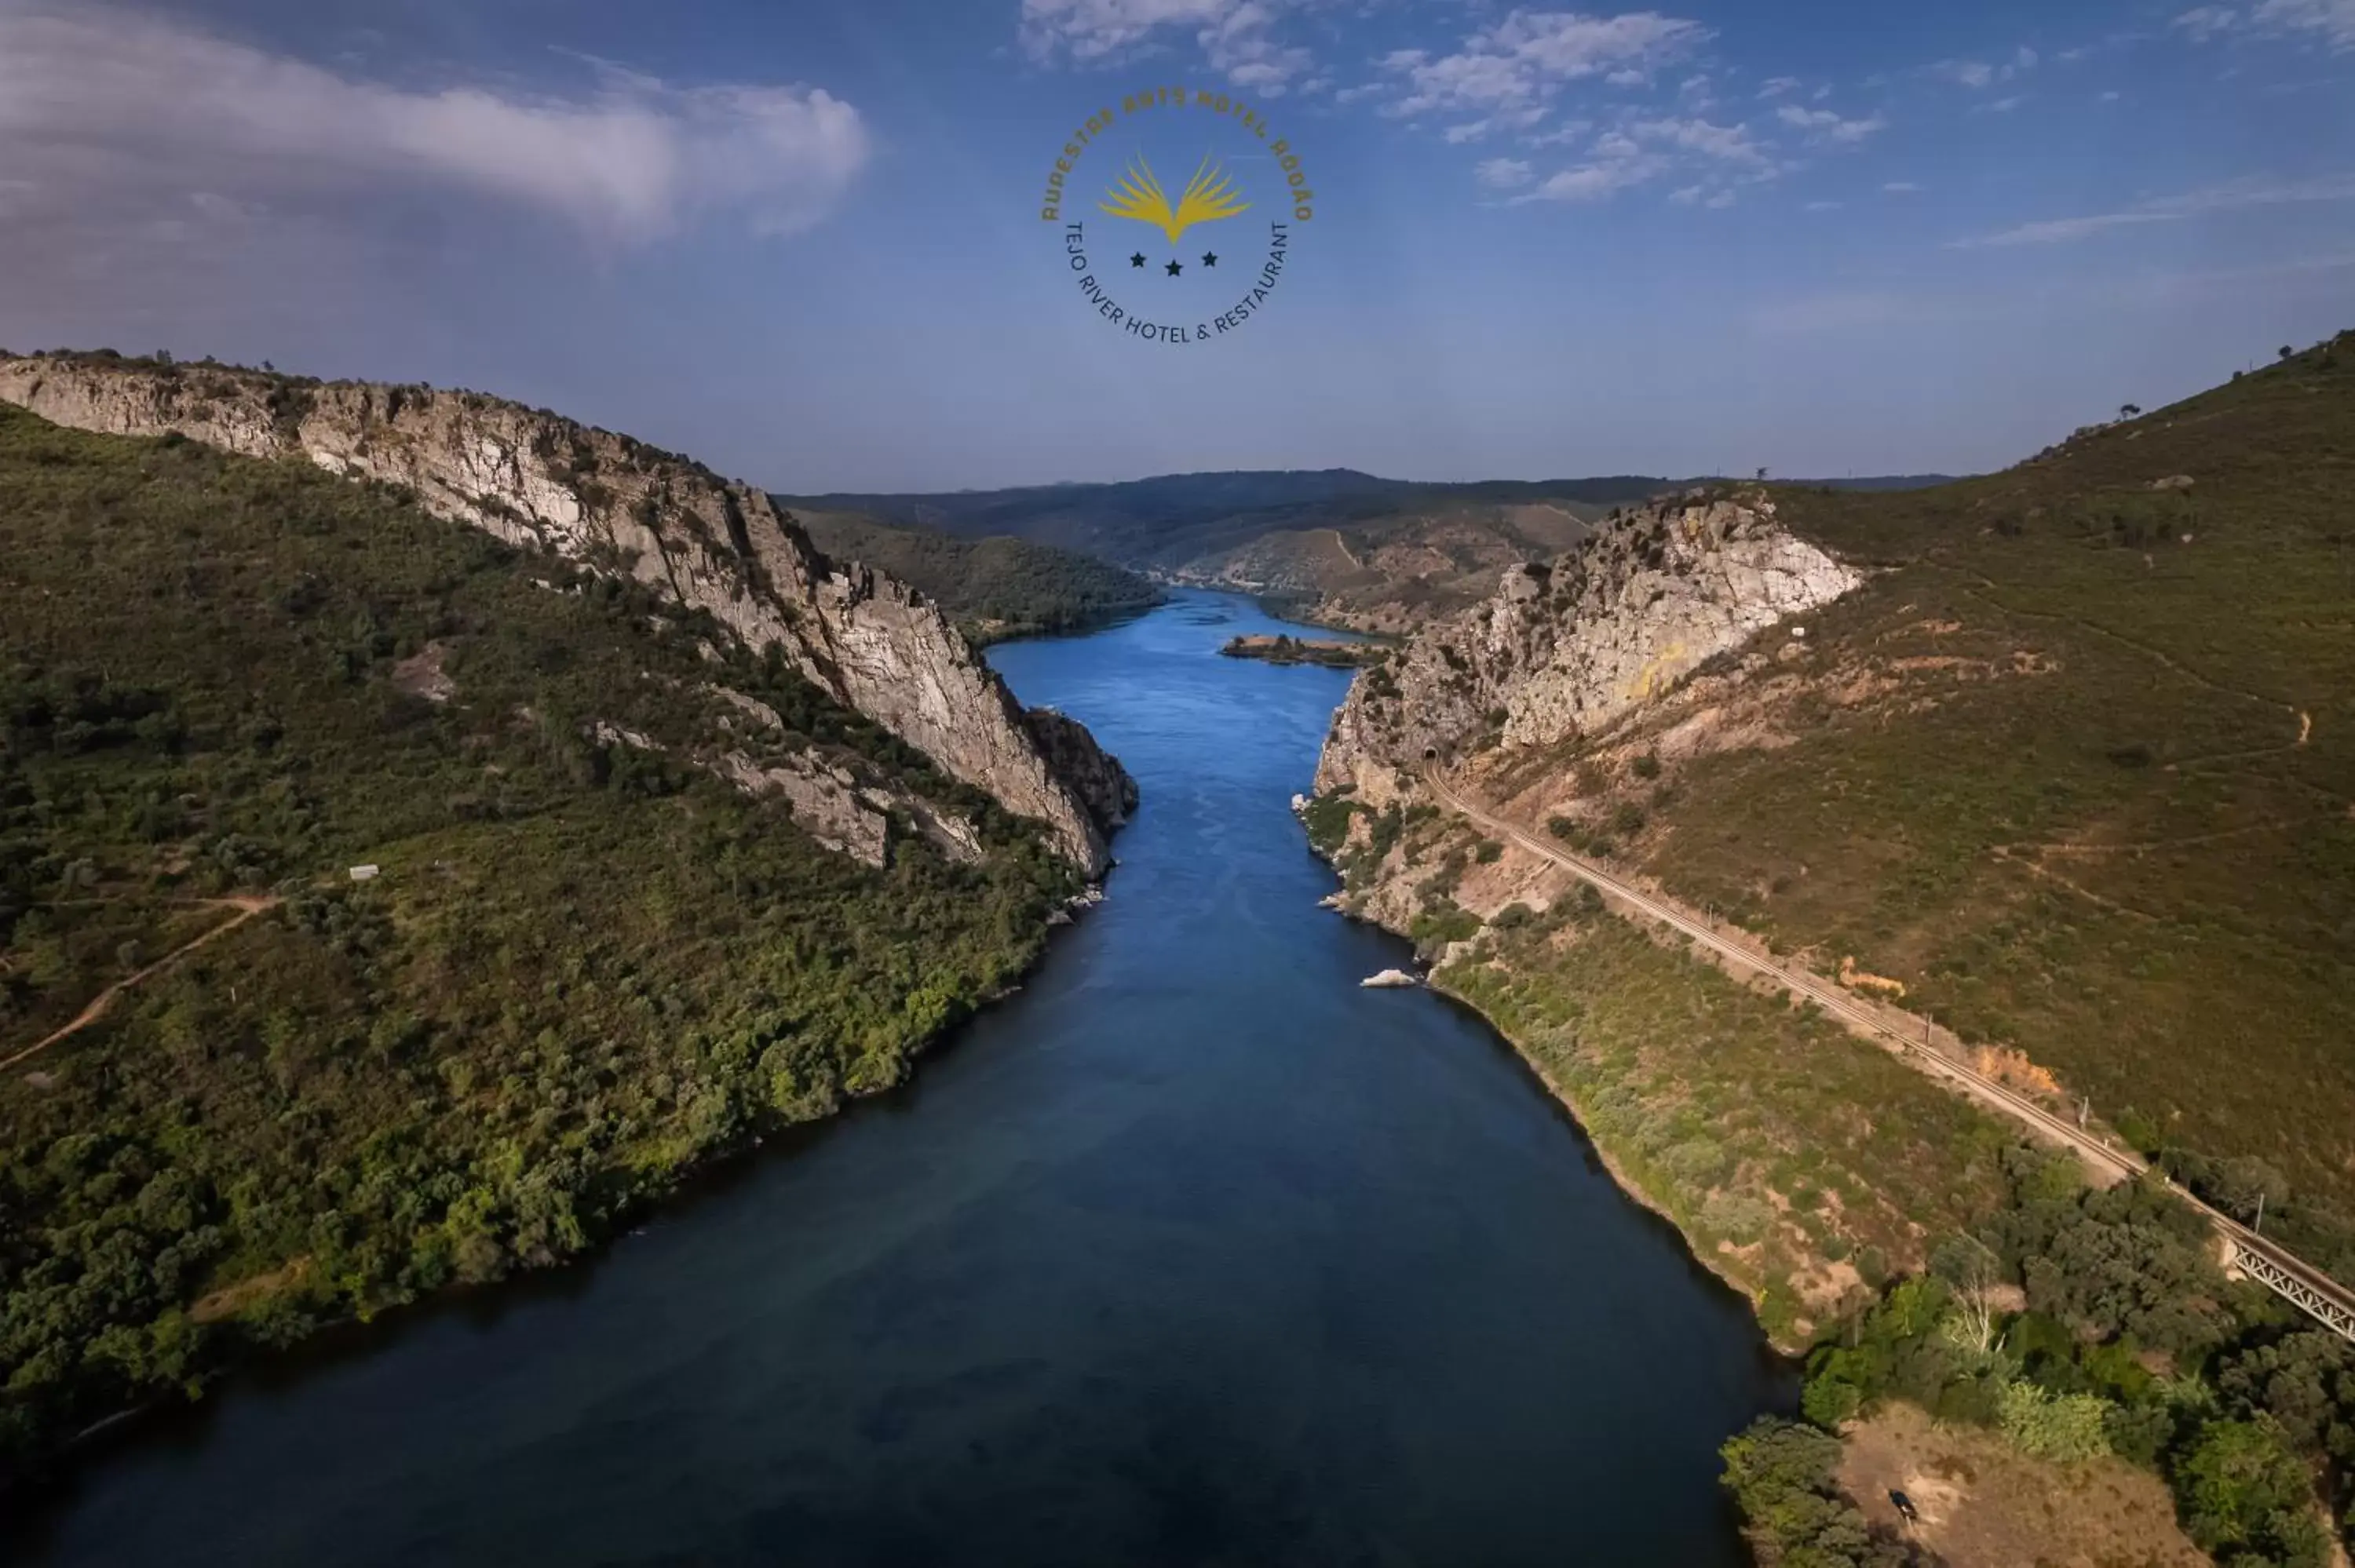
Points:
[(247, 907)]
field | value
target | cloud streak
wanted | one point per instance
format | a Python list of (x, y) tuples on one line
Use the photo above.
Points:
[(2236, 196), (106, 109)]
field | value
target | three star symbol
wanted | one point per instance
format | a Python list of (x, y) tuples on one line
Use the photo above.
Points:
[(1209, 259)]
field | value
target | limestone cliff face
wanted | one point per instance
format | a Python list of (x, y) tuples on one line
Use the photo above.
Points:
[(618, 505), (1567, 649)]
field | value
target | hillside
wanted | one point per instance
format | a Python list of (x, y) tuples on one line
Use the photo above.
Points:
[(636, 515), (992, 588), (2059, 761), (600, 948)]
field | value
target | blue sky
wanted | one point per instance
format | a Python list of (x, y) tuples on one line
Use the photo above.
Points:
[(801, 239)]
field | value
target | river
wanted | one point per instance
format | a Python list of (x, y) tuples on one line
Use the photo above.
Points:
[(1191, 1253)]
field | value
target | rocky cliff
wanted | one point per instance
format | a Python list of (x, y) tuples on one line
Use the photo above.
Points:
[(1565, 649), (621, 507)]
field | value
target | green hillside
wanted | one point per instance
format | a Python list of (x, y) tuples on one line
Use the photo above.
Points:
[(993, 588), (2078, 767), (585, 966)]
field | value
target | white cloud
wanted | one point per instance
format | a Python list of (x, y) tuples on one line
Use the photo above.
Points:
[(1999, 105), (1977, 75), (1629, 77), (2203, 23), (2236, 196), (1721, 199), (1641, 151), (2109, 97), (1593, 181), (1831, 127), (1561, 135), (1506, 119), (1094, 29), (1822, 206), (1775, 86), (2333, 20), (1240, 48), (1502, 174), (1526, 58), (1901, 188), (104, 109), (1236, 36), (1730, 143)]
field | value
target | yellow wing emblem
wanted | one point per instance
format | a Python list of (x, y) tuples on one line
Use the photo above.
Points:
[(1209, 198)]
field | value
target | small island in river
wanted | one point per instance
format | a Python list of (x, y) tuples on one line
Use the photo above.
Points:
[(1281, 649)]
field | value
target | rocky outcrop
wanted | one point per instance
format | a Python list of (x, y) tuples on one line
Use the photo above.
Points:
[(621, 507), (1103, 786), (1567, 649)]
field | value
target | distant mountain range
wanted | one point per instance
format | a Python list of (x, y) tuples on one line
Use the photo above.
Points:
[(1349, 547)]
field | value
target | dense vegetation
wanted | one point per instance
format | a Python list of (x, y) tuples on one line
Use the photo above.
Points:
[(993, 588), (2080, 1323), (584, 967), (2078, 767)]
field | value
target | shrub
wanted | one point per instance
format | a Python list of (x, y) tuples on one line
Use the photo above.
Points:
[(2064, 1426), (1489, 852), (1647, 766)]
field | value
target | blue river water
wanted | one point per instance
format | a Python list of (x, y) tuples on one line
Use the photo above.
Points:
[(1191, 1253)]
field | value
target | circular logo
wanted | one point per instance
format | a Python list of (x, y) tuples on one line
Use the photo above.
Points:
[(1179, 214)]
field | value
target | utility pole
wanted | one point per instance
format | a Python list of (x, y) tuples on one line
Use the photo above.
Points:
[(2260, 1226), (2085, 1108)]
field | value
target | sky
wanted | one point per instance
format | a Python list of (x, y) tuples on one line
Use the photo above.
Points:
[(806, 240)]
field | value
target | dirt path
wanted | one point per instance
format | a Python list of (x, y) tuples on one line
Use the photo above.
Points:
[(247, 907), (2098, 1152)]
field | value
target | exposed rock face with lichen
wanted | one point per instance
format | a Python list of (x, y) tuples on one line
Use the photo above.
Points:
[(621, 507), (1567, 649)]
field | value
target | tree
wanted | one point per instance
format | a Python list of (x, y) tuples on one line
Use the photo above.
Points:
[(2242, 1486), (2286, 351), (1975, 1272), (2128, 410)]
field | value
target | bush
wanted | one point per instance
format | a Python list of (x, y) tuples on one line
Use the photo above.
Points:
[(2240, 1488), (1647, 766), (2066, 1426), (1780, 1476), (1489, 852)]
